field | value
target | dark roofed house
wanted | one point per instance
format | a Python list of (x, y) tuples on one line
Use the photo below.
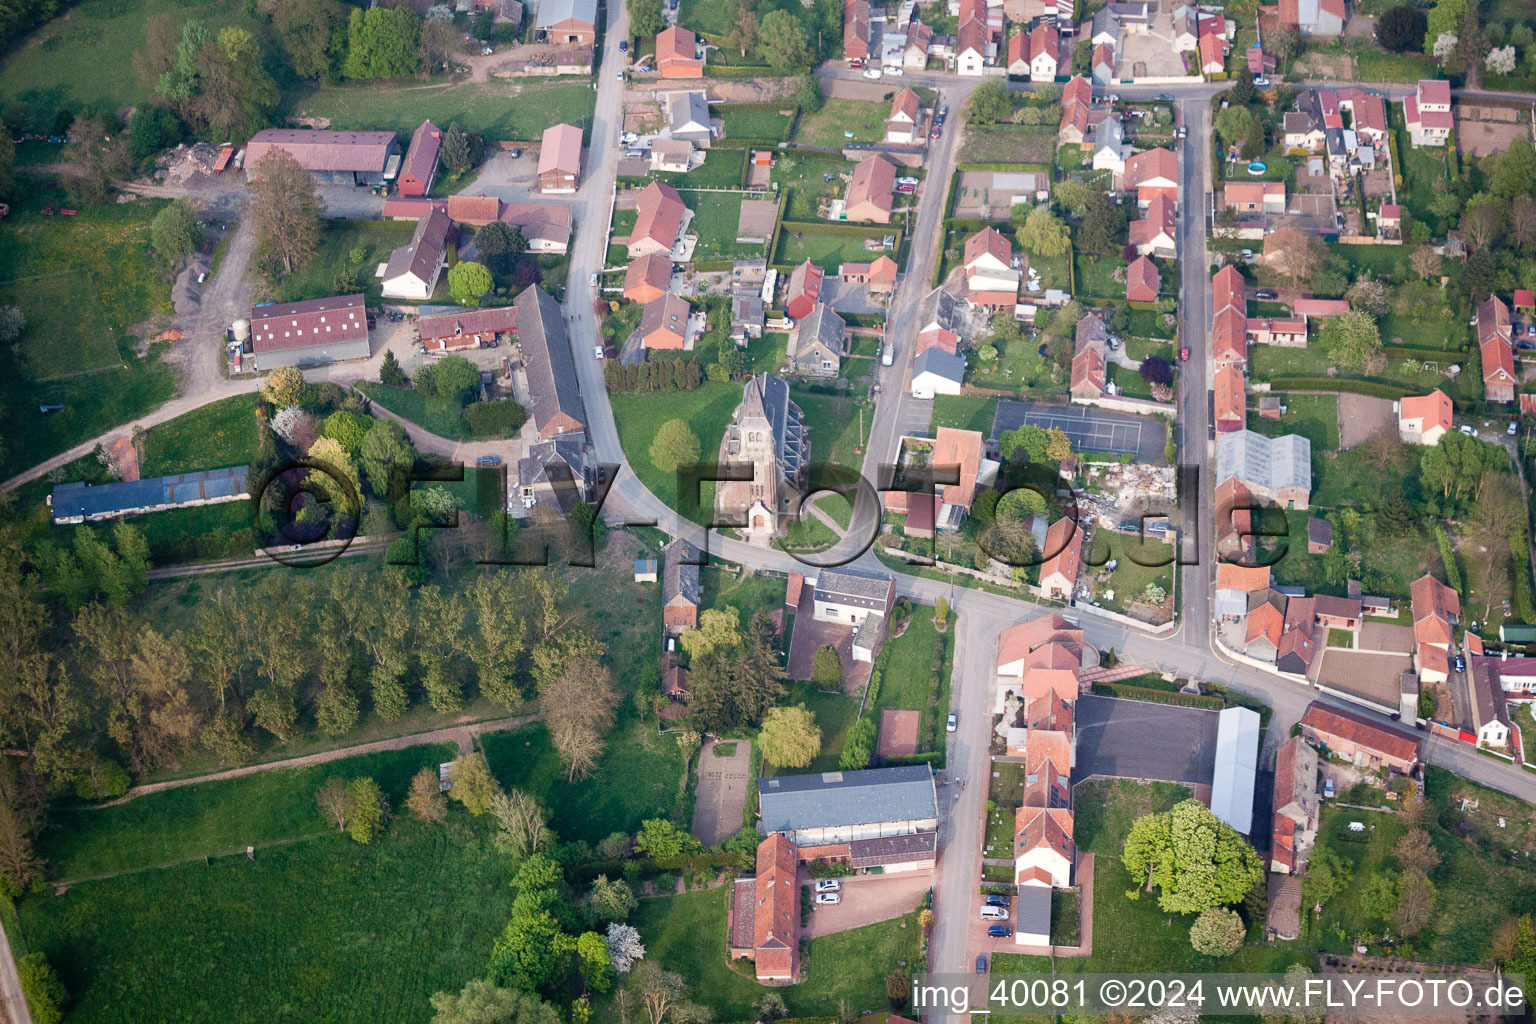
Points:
[(1319, 535), (846, 594), (558, 473), (1338, 612), (309, 332), (844, 807), (420, 165), (337, 158), (680, 592), (553, 388), (413, 269)]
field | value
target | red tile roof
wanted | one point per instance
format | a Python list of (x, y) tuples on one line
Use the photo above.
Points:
[(1229, 336), (1248, 579), (661, 212), (962, 448), (1228, 289), (1142, 280), (1434, 409), (647, 278), (987, 242), (421, 158), (1155, 166), (1434, 605), (1064, 546), (560, 149), (322, 150), (291, 325), (1265, 621), (1362, 732), (474, 209), (804, 290), (775, 938), (1231, 409), (871, 185)]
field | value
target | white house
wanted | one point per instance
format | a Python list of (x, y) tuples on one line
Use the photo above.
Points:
[(937, 372), (413, 269), (1043, 838), (1109, 146), (850, 596)]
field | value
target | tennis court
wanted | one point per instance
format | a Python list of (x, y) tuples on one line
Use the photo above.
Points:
[(1089, 430)]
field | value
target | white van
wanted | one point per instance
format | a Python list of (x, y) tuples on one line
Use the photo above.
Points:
[(994, 913)]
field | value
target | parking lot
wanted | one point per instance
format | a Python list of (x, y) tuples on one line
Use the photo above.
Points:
[(1136, 740), (1090, 430), (866, 900)]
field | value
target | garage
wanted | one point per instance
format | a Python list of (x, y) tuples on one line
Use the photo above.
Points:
[(1137, 740)]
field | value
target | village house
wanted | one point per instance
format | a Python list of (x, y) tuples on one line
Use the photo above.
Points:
[(444, 330), (856, 30), (332, 158), (1079, 114), (677, 54), (765, 913), (1142, 281), (937, 371), (1063, 559), (688, 118), (1109, 148), (420, 166), (1254, 196), (664, 323), (1088, 360), (79, 502), (1319, 537), (659, 220), (566, 22), (901, 125), (1496, 346), (1230, 398), (816, 343), (1277, 469), (1235, 584), (915, 53), (804, 290), (1359, 740), (1155, 233), (871, 191), (560, 159), (1426, 114), (550, 368), (648, 278), (1295, 805), (877, 277), (680, 590), (310, 332), (1153, 173), (1313, 17), (1424, 419), (671, 156), (413, 269)]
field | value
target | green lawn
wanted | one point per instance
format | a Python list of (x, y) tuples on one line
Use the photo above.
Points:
[(826, 127), (220, 434), (649, 765), (910, 682), (716, 217), (686, 934), (1096, 277), (106, 249), (964, 412), (334, 268), (747, 592), (1009, 144), (1268, 361), (1019, 367), (722, 168), (835, 714), (701, 16), (707, 412), (85, 56), (623, 227), (804, 175), (1373, 64), (833, 423), (1315, 417), (1130, 579), (751, 121), (496, 109), (214, 817), (324, 929), (57, 348), (828, 251), (444, 418)]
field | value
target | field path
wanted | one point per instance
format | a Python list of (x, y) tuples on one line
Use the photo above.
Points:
[(11, 999), (462, 735)]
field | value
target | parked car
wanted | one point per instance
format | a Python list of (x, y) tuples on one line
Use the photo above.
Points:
[(856, 65), (1530, 330), (828, 899), (1461, 663), (873, 74), (942, 115), (907, 190), (1328, 787), (488, 460), (1266, 295), (1113, 97), (936, 131), (1183, 132), (894, 70), (1184, 352), (994, 913), (997, 900), (623, 45), (1512, 429), (981, 964), (619, 75), (906, 179), (1469, 431), (827, 885), (1261, 81), (999, 931), (597, 351)]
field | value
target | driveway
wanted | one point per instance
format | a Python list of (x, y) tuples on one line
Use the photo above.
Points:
[(1136, 740), (505, 176), (1090, 430), (868, 899), (721, 799)]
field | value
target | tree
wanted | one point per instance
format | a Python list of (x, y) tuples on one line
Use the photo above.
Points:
[(1483, 220), (1156, 370), (96, 156), (390, 372), (1379, 897), (718, 629), (468, 282), (1522, 958), (790, 738), (1233, 124), (783, 41), (1196, 861), (592, 961), (1351, 338), (674, 446), (480, 1002), (1074, 196), (645, 18), (1327, 876), (45, 993), (1425, 262), (808, 94), (743, 34), (1500, 60), (461, 150), (335, 802), (1446, 16), (1217, 932), (624, 947), (578, 710), (500, 245), (313, 35), (859, 746), (175, 232), (1415, 904), (989, 103), (453, 378), (233, 94), (1368, 293), (1415, 852), (827, 668), (1522, 220), (439, 40), (1027, 439), (770, 1007), (1044, 234), (1515, 172), (366, 811), (383, 42), (659, 839), (286, 211), (664, 996), (386, 455), (1100, 226), (610, 901), (425, 799), (1401, 29), (1294, 255), (472, 784), (12, 322)]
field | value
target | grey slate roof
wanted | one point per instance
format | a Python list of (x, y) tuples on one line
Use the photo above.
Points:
[(784, 419), (566, 463), (790, 802), (552, 383), (939, 309), (425, 251), (553, 12), (1108, 135), (680, 573), (1267, 462), (1032, 909), (690, 111), (77, 500), (917, 846), (936, 360), (850, 582)]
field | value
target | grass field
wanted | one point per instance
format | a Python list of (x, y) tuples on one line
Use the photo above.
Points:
[(833, 423), (827, 251), (86, 56), (707, 412), (324, 929), (496, 110), (748, 121), (908, 680), (591, 808), (716, 218), (687, 934), (964, 412), (865, 119), (805, 177), (214, 817), (1315, 417), (71, 346), (1007, 144), (333, 269), (440, 417), (109, 248), (1130, 579), (220, 434)]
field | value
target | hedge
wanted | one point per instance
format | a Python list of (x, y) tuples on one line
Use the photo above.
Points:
[(1375, 388), (1426, 355), (1448, 556), (712, 70), (1520, 551), (931, 757), (1186, 700), (1038, 168), (824, 227)]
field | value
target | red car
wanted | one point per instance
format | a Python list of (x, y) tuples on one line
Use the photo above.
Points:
[(1184, 352), (937, 131), (856, 65)]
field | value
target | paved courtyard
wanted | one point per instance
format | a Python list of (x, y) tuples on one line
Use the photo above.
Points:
[(868, 899), (722, 793), (1090, 430), (1136, 740)]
